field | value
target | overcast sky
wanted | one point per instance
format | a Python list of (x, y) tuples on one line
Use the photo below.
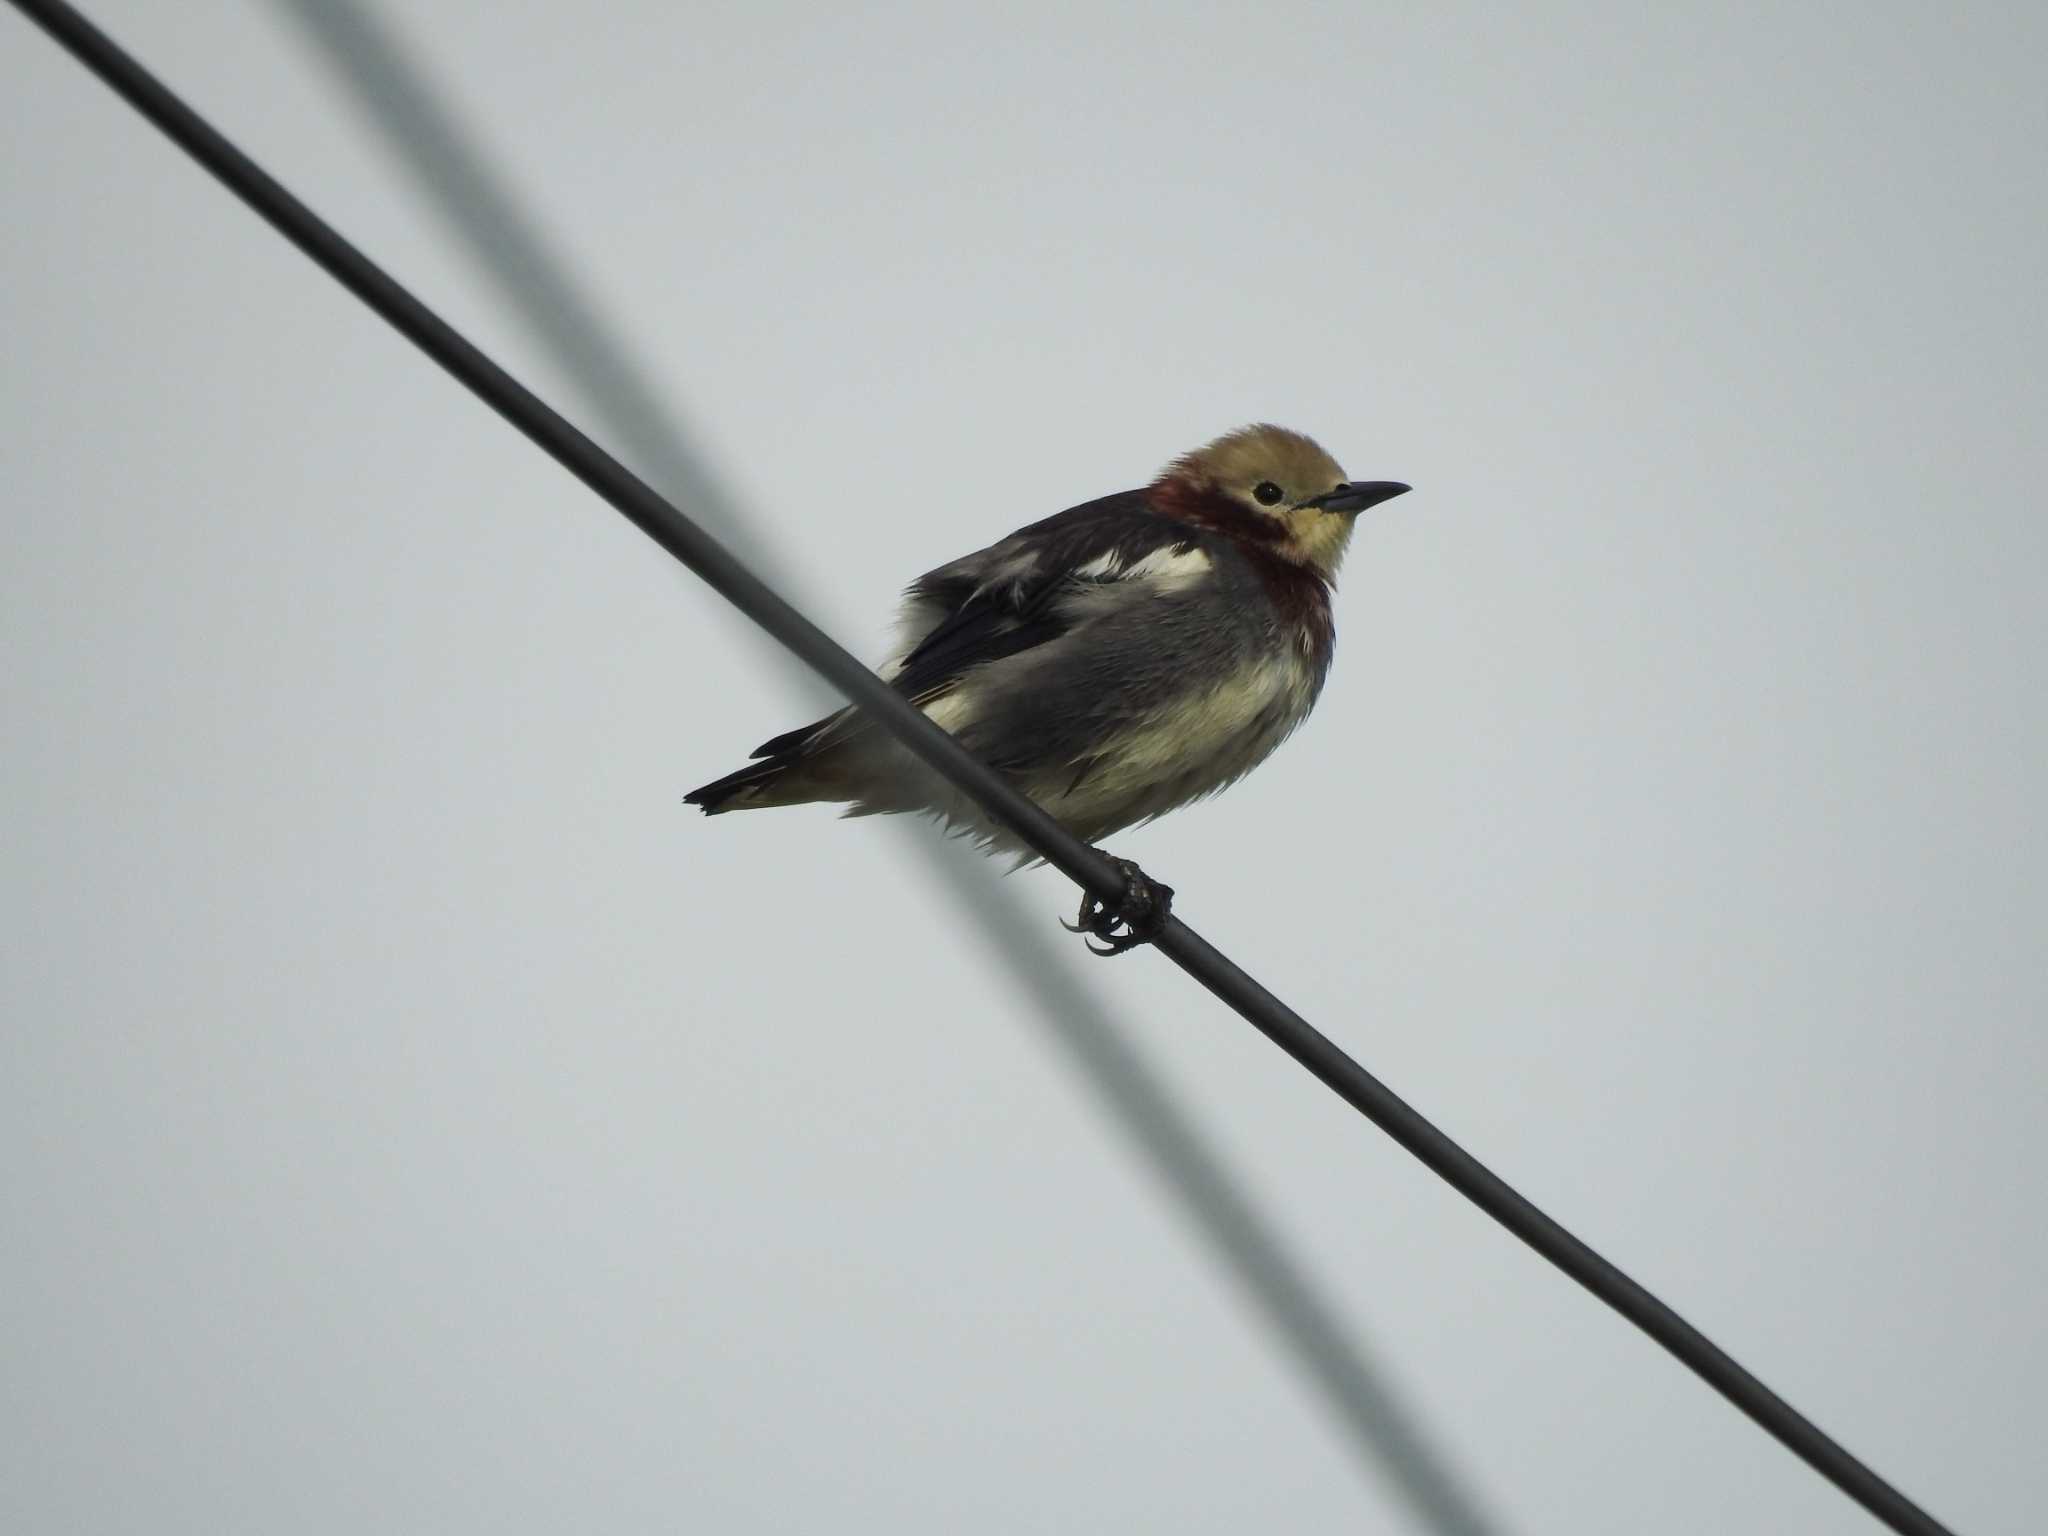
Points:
[(412, 1117)]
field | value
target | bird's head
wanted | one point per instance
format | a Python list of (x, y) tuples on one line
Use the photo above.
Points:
[(1273, 487)]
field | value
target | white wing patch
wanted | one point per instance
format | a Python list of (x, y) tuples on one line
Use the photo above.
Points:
[(1013, 571), (1169, 569)]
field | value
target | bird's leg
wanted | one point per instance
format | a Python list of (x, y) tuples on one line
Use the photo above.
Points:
[(1140, 913)]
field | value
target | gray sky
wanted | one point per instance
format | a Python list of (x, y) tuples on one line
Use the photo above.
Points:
[(411, 1115)]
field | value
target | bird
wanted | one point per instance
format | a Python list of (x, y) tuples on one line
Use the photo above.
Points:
[(1115, 661)]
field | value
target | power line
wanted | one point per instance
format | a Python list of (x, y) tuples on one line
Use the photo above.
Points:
[(1086, 866), (485, 214)]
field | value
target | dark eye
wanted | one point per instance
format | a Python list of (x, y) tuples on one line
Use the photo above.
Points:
[(1266, 493)]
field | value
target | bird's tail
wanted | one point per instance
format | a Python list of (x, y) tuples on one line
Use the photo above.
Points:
[(737, 791), (774, 780)]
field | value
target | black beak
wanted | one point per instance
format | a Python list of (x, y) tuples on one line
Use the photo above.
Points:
[(1358, 495)]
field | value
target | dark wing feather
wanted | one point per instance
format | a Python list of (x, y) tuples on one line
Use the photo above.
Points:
[(986, 627), (991, 614), (996, 603)]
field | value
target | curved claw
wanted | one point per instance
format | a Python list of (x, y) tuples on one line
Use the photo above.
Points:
[(1115, 944), (1140, 914)]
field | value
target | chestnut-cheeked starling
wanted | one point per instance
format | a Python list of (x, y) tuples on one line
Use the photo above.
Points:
[(1117, 660)]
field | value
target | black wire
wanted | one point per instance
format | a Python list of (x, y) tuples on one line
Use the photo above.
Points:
[(1085, 865)]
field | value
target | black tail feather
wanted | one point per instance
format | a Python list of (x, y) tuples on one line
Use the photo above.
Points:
[(776, 756), (718, 794)]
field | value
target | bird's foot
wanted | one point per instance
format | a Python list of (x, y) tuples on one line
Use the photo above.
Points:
[(1140, 913)]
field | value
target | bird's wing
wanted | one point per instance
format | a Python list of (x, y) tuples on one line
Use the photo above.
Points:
[(1005, 599)]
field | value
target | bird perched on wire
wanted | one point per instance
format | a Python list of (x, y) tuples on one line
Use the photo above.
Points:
[(1117, 660)]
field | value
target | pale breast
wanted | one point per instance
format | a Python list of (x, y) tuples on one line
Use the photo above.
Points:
[(1189, 747)]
